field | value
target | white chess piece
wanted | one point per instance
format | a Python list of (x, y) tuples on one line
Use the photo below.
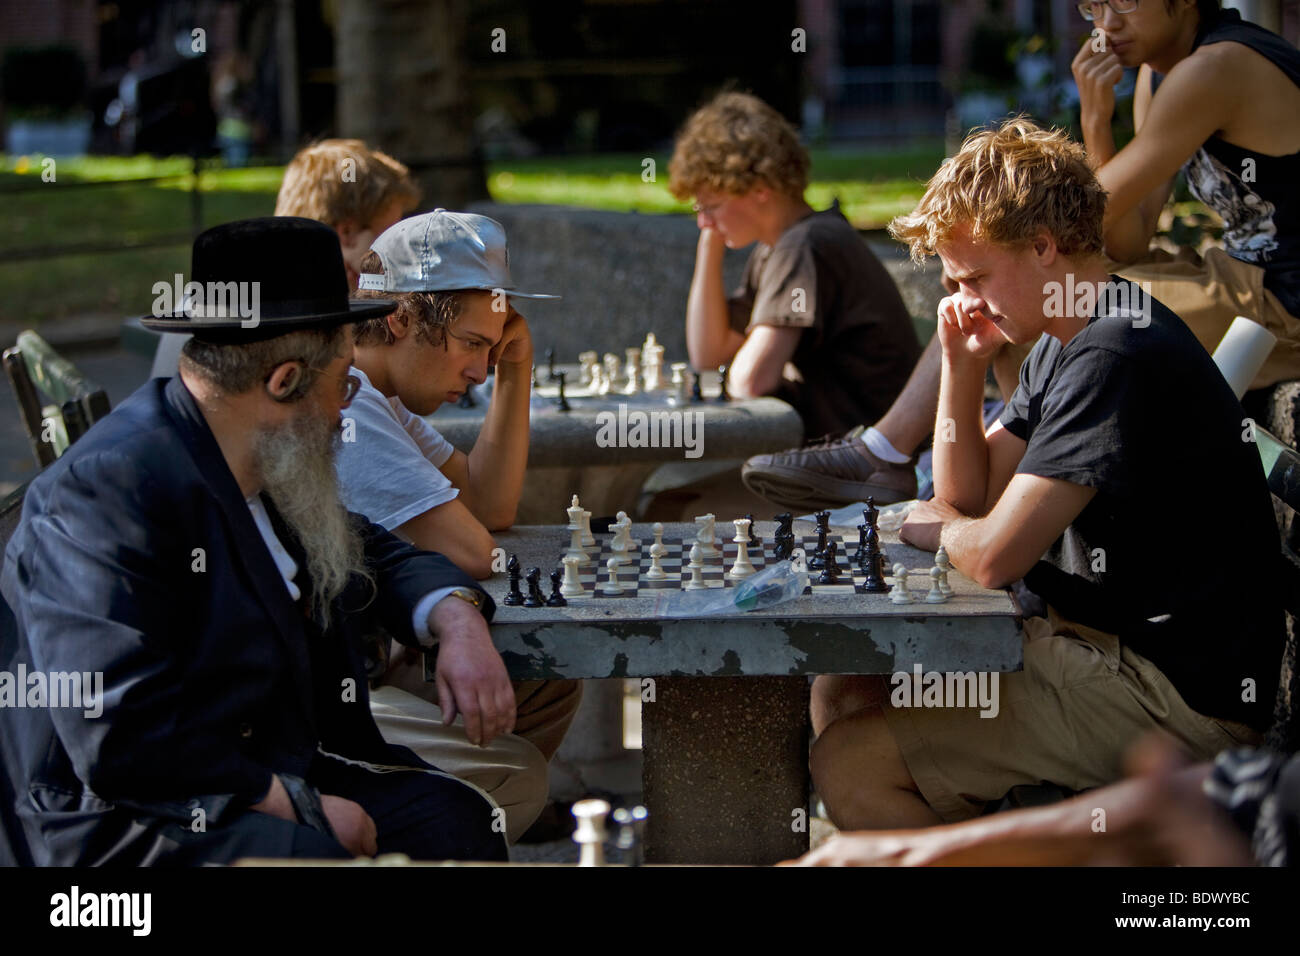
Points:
[(612, 586), (943, 564), (588, 539), (572, 584), (633, 371), (587, 361), (658, 530), (936, 595), (679, 396), (743, 567), (696, 566), (899, 594), (612, 370), (656, 572), (575, 512), (704, 534)]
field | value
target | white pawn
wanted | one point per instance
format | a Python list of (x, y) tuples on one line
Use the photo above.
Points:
[(944, 565), (936, 595), (657, 551), (899, 594), (679, 396), (572, 584), (612, 586), (696, 582), (743, 567)]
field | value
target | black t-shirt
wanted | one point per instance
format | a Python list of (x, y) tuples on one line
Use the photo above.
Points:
[(858, 345), (1178, 551)]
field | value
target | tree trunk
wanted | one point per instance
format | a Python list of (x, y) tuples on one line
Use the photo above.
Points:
[(403, 88)]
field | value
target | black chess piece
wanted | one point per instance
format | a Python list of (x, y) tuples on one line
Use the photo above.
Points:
[(860, 554), (515, 596), (870, 514), (754, 539), (550, 365), (535, 596), (722, 385), (871, 564), (696, 394), (556, 599), (818, 559), (561, 402), (830, 564), (784, 538)]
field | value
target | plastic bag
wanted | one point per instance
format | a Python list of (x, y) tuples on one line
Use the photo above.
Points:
[(774, 585)]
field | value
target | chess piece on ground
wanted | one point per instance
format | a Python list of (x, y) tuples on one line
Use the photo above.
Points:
[(561, 402), (723, 370), (572, 586), (830, 564), (704, 534), (696, 568), (900, 594), (557, 597), (943, 564), (936, 595), (515, 596), (590, 831), (743, 567), (611, 585), (535, 596)]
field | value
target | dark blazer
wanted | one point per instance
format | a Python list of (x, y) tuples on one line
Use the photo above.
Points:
[(137, 557)]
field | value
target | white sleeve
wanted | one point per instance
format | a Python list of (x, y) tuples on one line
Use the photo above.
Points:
[(430, 441), (382, 471)]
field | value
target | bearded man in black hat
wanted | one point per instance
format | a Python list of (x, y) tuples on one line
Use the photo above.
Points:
[(191, 552)]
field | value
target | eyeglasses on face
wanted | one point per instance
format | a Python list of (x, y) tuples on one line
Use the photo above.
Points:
[(349, 384), (1092, 11)]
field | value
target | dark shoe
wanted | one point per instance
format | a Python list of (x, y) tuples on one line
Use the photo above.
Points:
[(828, 473)]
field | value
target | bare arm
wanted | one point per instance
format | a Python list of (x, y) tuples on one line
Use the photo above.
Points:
[(452, 530), (757, 367), (710, 339)]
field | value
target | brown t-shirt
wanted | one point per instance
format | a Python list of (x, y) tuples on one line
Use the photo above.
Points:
[(858, 344)]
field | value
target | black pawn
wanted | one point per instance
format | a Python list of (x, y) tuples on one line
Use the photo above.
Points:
[(722, 384), (561, 402), (696, 394), (830, 566), (753, 538), (556, 599), (535, 596), (515, 596)]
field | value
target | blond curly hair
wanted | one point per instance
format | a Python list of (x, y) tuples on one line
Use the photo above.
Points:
[(1007, 184), (733, 144), (337, 180)]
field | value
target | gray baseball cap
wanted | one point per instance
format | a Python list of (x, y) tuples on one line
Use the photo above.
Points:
[(443, 251)]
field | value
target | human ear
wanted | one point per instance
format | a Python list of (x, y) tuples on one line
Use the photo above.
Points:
[(284, 381)]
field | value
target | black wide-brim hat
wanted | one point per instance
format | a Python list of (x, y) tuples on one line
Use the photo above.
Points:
[(290, 268)]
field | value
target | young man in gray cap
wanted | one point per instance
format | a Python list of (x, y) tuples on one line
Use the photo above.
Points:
[(191, 558), (449, 273)]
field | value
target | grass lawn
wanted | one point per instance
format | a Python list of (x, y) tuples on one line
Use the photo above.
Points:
[(871, 185)]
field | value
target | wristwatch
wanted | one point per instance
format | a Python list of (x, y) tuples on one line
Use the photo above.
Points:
[(468, 595)]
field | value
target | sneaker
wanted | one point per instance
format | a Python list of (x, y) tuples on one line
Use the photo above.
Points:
[(828, 473)]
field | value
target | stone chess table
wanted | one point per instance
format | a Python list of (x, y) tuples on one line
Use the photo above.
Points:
[(725, 699)]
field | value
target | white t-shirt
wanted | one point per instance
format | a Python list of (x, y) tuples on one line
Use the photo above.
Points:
[(389, 471)]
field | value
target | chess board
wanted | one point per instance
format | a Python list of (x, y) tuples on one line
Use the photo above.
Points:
[(633, 581)]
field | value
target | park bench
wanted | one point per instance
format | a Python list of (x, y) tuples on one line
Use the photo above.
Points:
[(33, 366)]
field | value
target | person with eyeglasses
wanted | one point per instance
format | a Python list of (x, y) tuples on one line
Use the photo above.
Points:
[(1219, 98), (449, 274)]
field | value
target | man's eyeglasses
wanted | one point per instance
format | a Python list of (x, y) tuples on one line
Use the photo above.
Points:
[(710, 209), (1092, 11), (349, 384)]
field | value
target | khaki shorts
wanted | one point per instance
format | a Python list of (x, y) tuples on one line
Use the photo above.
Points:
[(1208, 293), (1067, 718)]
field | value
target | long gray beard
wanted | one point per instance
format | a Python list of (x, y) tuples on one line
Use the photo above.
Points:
[(296, 464)]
